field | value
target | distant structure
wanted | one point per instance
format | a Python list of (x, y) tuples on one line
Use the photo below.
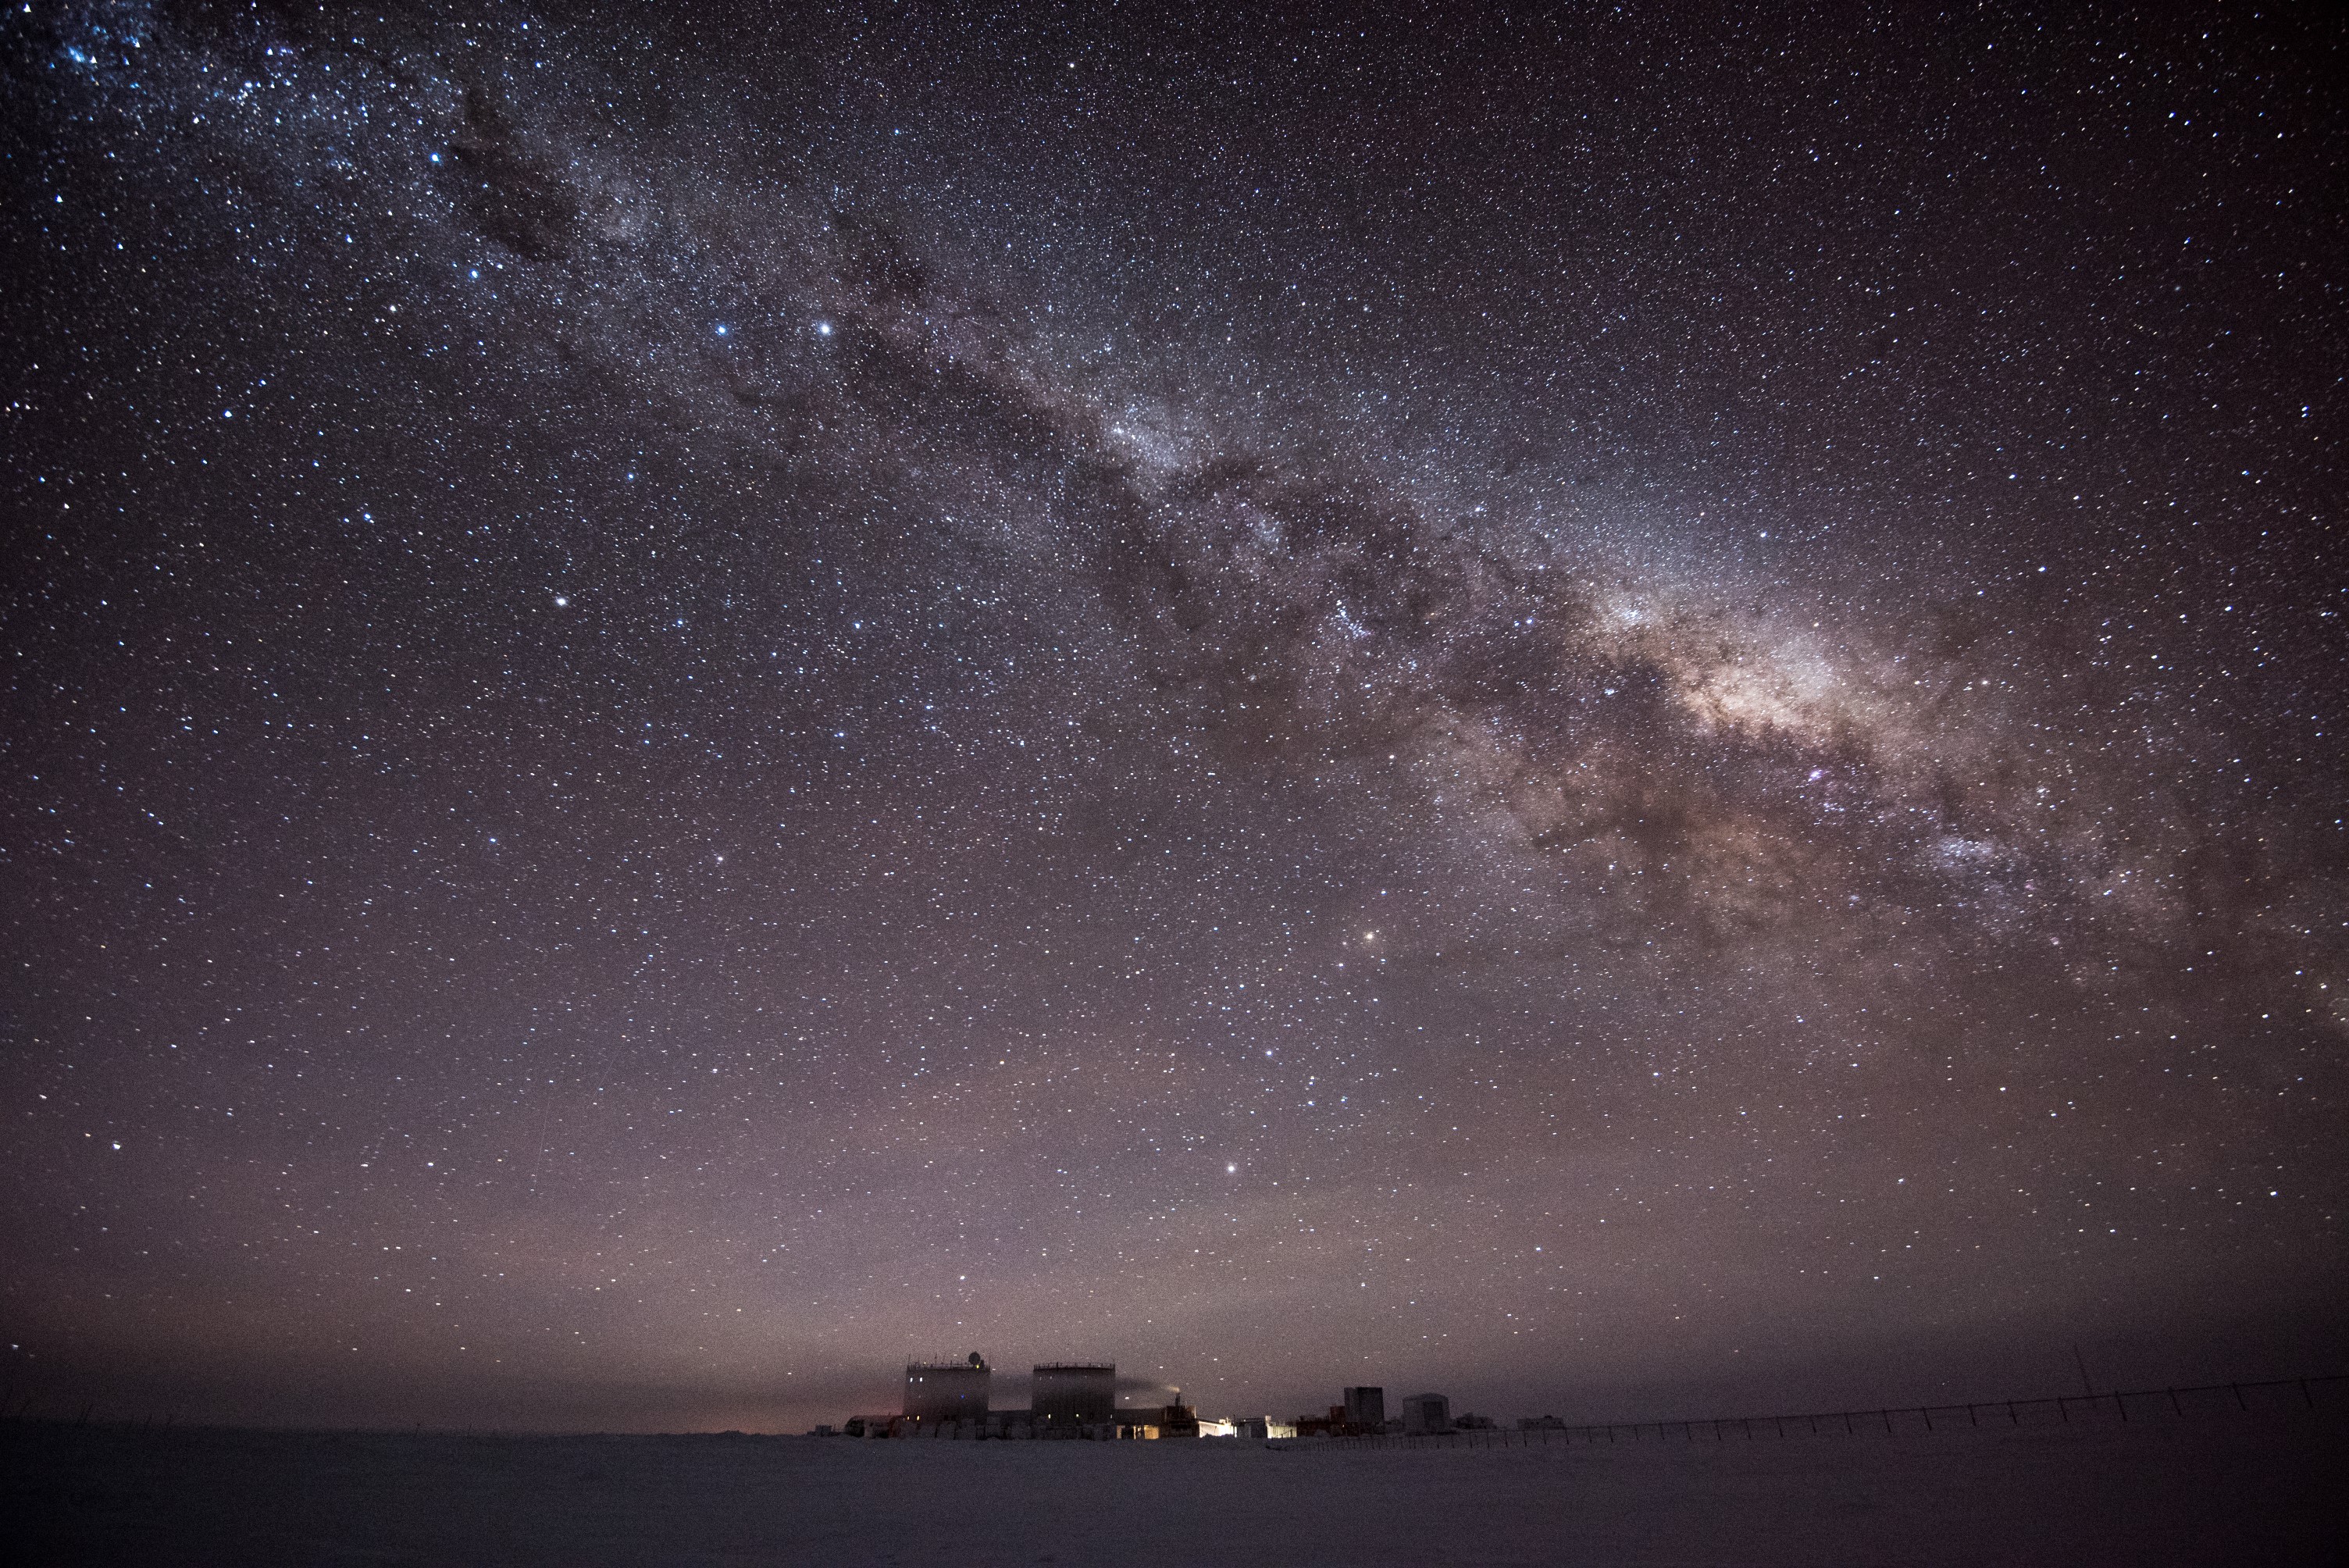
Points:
[(1071, 1396), (950, 1400), (948, 1391), (1363, 1414), (1425, 1415), (1176, 1421)]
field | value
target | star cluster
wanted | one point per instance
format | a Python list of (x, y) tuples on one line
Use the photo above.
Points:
[(1602, 710)]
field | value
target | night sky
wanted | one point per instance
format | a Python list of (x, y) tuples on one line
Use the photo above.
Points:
[(1622, 713)]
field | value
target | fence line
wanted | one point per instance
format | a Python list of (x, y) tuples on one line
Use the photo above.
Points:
[(2329, 1392)]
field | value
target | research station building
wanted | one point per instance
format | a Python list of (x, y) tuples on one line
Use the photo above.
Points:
[(1071, 1396), (948, 1391)]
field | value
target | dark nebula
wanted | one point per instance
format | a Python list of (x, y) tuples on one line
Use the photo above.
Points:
[(1610, 712)]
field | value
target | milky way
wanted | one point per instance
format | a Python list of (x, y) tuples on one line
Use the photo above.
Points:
[(1623, 713)]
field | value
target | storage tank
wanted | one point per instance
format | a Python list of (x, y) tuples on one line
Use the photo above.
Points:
[(1069, 1396), (940, 1391)]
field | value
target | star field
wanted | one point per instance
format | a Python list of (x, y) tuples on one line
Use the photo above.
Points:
[(1602, 712)]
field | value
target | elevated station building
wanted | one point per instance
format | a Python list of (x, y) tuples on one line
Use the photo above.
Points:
[(1072, 1395), (942, 1392)]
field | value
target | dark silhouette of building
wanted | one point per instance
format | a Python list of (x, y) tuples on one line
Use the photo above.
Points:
[(1426, 1414), (1364, 1414), (1331, 1423), (1067, 1396), (940, 1391)]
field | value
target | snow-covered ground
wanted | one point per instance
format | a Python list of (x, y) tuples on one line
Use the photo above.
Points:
[(2262, 1489)]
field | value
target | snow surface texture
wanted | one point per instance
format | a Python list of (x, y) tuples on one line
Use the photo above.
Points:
[(2247, 1490)]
